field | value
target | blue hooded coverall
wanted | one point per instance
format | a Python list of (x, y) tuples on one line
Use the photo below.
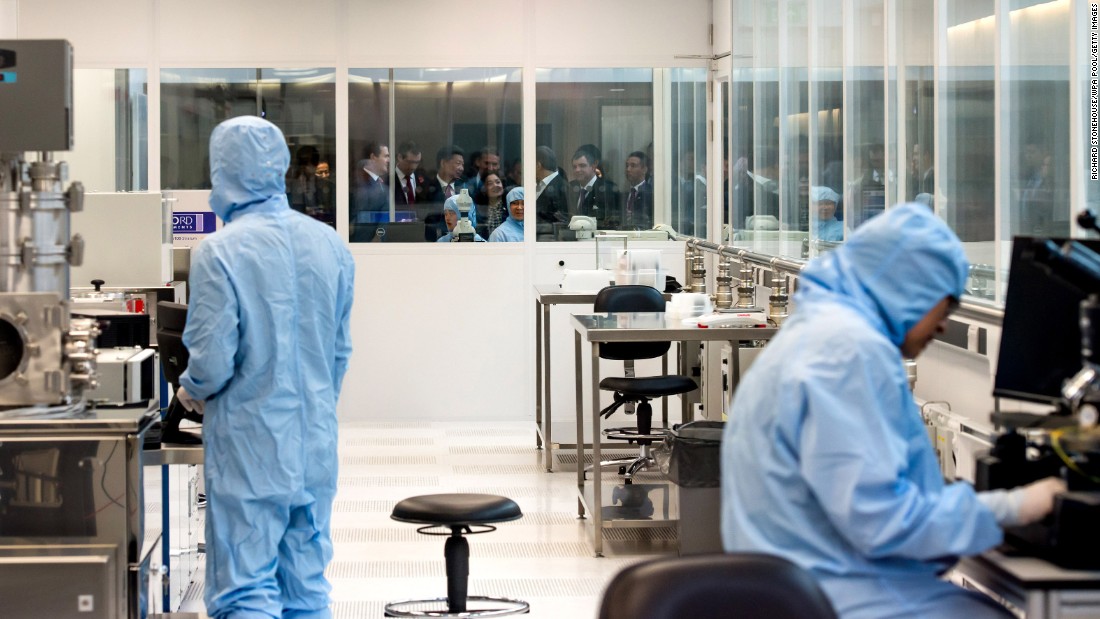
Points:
[(825, 459), (510, 230), (267, 332)]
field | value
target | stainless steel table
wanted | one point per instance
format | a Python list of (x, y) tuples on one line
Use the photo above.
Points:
[(631, 327), (546, 296), (1039, 588)]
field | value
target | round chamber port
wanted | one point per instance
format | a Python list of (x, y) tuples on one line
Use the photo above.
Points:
[(12, 349)]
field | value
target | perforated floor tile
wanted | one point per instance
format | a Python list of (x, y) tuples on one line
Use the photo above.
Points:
[(545, 558)]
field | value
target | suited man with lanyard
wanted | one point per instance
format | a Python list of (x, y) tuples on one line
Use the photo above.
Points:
[(593, 196), (409, 188), (551, 193), (637, 211)]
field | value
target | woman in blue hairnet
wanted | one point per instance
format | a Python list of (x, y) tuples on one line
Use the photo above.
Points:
[(825, 459), (823, 214), (267, 332), (511, 230)]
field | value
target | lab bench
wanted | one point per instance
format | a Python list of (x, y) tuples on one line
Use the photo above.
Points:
[(1041, 589), (631, 327)]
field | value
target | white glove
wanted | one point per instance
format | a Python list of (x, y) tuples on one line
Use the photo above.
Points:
[(191, 404), (1023, 505), (1037, 499)]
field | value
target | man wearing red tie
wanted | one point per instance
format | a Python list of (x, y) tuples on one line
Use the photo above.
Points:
[(637, 211), (409, 188)]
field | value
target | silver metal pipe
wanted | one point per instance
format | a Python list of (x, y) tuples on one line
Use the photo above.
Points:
[(792, 266)]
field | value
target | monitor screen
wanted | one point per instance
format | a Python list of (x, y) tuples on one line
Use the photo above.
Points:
[(1040, 336), (381, 217), (171, 320)]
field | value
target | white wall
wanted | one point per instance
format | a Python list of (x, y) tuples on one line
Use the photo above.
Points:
[(439, 332)]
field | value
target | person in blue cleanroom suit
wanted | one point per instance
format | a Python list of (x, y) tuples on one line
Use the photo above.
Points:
[(267, 332), (825, 459), (511, 230), (823, 213), (451, 217)]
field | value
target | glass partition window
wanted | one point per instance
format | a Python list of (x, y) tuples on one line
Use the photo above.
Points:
[(594, 153), (110, 116), (966, 106), (688, 172), (301, 102), (453, 130)]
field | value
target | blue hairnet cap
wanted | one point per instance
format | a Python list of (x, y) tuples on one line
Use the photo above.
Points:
[(515, 194), (823, 194), (451, 204), (893, 269), (248, 163)]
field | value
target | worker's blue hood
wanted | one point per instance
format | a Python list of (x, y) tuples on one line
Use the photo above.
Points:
[(248, 163), (892, 270)]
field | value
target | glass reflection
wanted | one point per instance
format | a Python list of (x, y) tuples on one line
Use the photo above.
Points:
[(594, 154), (301, 102), (456, 131), (109, 116)]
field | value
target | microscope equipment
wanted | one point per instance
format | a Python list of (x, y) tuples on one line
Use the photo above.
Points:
[(1053, 283), (464, 231)]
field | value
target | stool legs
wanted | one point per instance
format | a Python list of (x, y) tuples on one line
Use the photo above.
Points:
[(456, 554)]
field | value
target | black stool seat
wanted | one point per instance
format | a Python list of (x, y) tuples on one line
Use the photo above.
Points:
[(456, 509), (648, 386), (463, 514)]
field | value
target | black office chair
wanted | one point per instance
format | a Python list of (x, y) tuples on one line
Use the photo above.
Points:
[(720, 586), (631, 391)]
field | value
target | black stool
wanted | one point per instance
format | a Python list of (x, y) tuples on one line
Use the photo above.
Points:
[(461, 514)]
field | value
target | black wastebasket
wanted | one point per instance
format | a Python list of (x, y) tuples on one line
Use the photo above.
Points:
[(691, 459), (693, 454)]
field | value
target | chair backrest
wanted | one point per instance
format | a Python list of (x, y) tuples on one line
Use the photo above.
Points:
[(630, 298), (724, 586)]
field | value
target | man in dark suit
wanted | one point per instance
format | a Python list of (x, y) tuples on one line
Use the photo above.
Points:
[(592, 195), (552, 194), (637, 205), (450, 163), (371, 193), (409, 188)]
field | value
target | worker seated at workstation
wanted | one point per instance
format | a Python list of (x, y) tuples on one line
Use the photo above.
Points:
[(825, 459)]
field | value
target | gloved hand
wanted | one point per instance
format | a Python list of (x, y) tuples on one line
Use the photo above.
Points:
[(189, 402), (1037, 499)]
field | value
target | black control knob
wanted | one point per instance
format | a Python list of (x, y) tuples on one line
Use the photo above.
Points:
[(561, 263), (98, 283)]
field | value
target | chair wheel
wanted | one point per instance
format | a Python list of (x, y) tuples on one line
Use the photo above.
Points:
[(628, 481), (622, 470)]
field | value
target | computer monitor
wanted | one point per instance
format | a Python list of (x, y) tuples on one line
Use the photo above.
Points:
[(381, 217), (171, 321), (1040, 336), (403, 232)]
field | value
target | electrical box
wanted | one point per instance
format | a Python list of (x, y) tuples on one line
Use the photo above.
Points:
[(36, 95)]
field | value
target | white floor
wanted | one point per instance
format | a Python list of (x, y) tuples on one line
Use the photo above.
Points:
[(545, 558)]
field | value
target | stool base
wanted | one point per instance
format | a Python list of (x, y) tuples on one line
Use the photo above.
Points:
[(503, 608)]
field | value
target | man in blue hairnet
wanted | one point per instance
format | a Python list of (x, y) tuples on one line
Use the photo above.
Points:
[(267, 332), (825, 459)]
